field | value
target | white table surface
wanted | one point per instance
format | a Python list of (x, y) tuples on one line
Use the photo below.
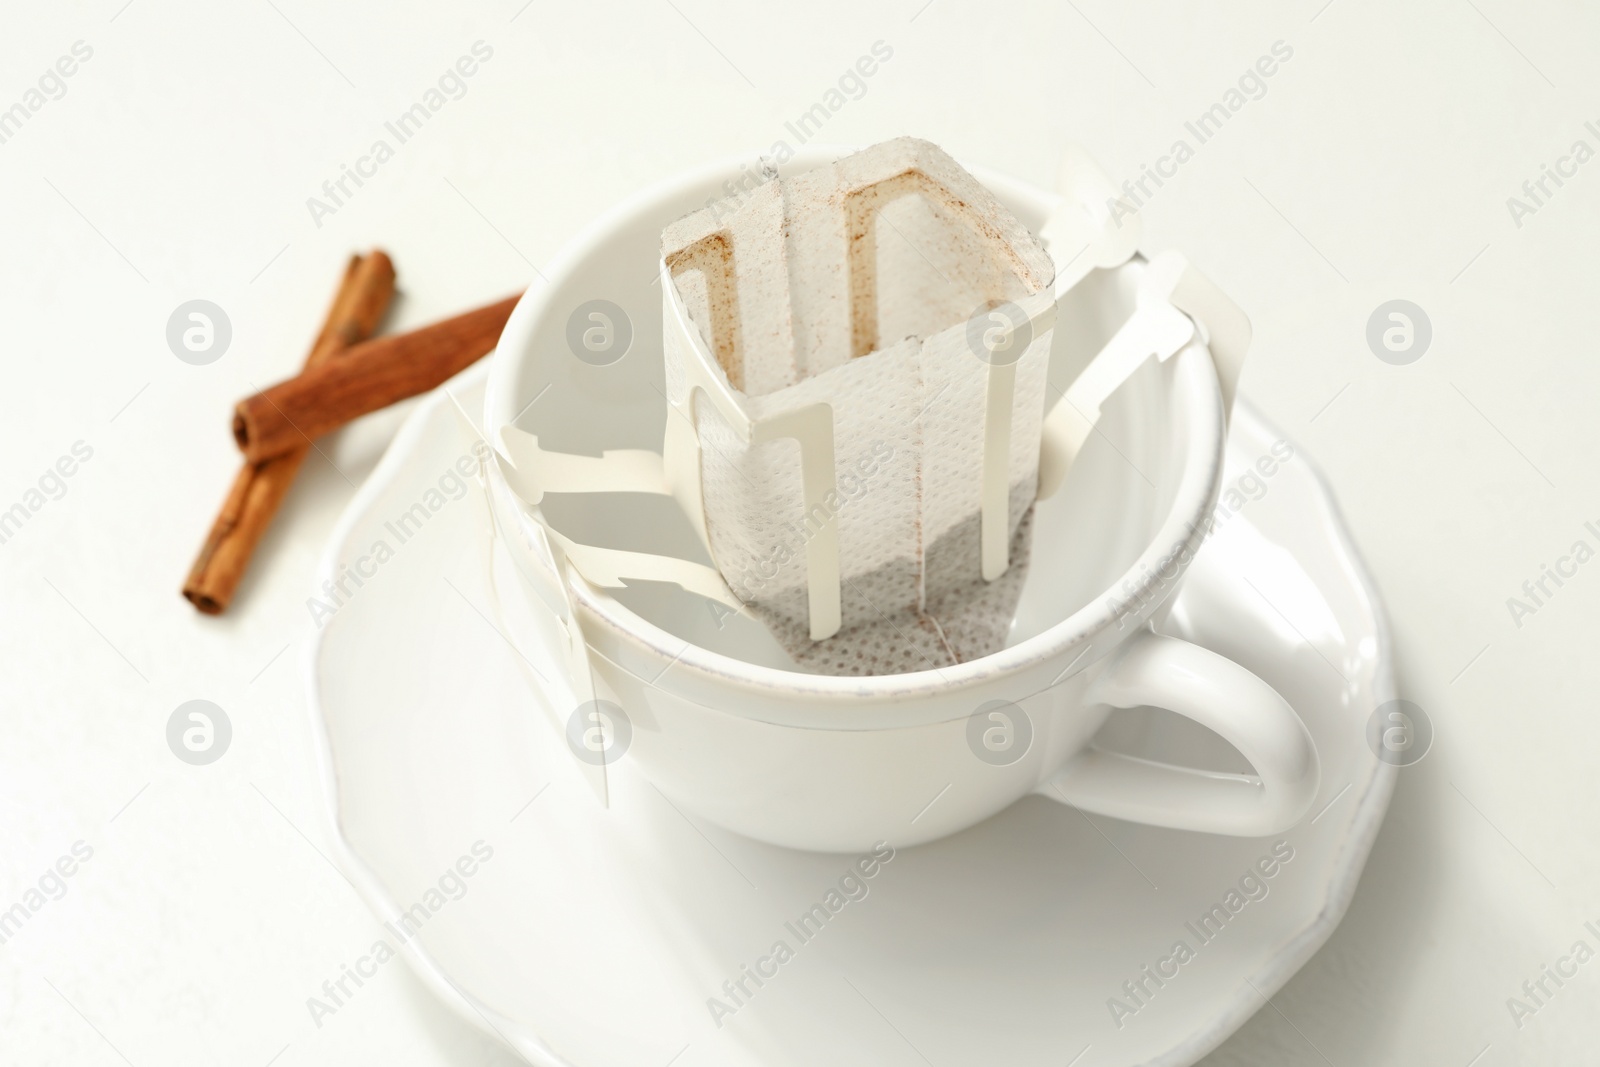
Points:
[(177, 165)]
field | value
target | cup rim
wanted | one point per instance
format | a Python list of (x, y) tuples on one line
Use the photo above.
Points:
[(1197, 390)]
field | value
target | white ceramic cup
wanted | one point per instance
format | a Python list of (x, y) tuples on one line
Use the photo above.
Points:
[(723, 725)]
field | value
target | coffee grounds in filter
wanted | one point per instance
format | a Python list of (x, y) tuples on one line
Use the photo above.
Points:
[(853, 285)]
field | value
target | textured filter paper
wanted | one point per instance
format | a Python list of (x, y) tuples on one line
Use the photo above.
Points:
[(866, 285)]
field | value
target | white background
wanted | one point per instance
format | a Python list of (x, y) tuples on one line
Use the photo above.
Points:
[(178, 164)]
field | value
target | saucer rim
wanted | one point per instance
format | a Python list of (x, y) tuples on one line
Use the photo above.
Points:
[(1354, 846)]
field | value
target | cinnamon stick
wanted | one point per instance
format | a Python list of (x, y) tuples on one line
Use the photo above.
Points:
[(370, 376), (363, 296)]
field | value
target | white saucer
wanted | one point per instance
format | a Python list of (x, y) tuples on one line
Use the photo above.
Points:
[(595, 937)]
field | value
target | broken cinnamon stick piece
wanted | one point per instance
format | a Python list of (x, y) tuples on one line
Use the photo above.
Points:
[(370, 376), (363, 297)]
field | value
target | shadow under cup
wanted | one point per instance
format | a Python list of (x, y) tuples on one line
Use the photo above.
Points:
[(721, 721)]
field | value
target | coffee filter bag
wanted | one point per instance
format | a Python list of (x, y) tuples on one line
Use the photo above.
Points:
[(886, 321)]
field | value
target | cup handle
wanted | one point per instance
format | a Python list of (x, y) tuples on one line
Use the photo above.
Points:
[(1152, 669)]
